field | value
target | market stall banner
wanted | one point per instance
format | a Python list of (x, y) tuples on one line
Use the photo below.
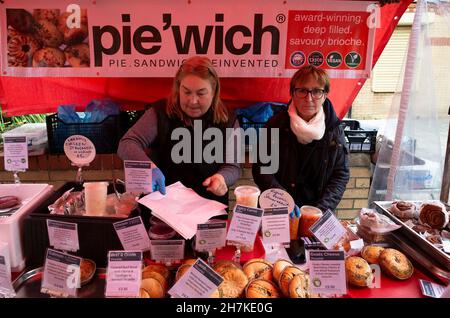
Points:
[(27, 95), (152, 39)]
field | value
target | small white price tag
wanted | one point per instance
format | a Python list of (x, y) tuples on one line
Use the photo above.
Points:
[(61, 276), (431, 289), (63, 235), (328, 230), (6, 288), (210, 236), (132, 234), (327, 272), (138, 176), (167, 250), (124, 274), (446, 245), (275, 226), (244, 225), (200, 281), (16, 153)]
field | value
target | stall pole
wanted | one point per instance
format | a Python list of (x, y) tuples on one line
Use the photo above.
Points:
[(446, 175)]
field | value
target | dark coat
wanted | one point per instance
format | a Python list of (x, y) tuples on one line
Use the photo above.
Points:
[(314, 174)]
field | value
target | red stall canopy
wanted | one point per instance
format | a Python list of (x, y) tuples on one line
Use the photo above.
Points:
[(27, 95)]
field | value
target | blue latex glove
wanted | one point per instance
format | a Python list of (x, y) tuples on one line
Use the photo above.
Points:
[(295, 212), (158, 181)]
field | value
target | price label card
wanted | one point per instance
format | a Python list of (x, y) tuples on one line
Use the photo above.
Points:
[(138, 176), (124, 274), (63, 235), (6, 288), (328, 230), (275, 226), (211, 236), (61, 276), (200, 281), (132, 234), (431, 289), (327, 272), (167, 250), (80, 150), (16, 153), (244, 224), (446, 245)]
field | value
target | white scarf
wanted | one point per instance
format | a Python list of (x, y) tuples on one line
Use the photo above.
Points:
[(305, 131)]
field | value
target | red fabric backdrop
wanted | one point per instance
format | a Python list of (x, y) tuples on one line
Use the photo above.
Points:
[(28, 95)]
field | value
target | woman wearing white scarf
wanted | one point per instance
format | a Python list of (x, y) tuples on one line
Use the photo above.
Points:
[(313, 157)]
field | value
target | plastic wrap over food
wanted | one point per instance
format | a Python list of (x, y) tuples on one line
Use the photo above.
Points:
[(376, 222), (70, 203)]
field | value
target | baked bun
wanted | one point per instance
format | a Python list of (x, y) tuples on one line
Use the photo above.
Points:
[(258, 269), (78, 55), (20, 19), (223, 265), (358, 271), (403, 210), (49, 57), (50, 15), (396, 264), (164, 283), (153, 288), (371, 253), (300, 286), (434, 214), (286, 276), (189, 261), (159, 268), (21, 48), (261, 288), (181, 270), (233, 285), (48, 34), (278, 268), (143, 293)]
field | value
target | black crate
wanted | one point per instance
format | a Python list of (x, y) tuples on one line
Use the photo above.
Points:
[(104, 135), (350, 124), (361, 140), (96, 235)]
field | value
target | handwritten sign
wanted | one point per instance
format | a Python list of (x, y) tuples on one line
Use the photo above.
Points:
[(80, 150)]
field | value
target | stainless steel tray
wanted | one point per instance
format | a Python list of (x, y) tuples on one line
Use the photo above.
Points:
[(434, 252), (28, 285)]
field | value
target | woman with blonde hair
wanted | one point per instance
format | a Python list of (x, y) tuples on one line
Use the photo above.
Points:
[(193, 104)]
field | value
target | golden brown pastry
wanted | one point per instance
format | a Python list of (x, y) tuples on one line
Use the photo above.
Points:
[(87, 270), (261, 288), (143, 293), (434, 214), (48, 34), (258, 269), (21, 48), (223, 265), (278, 268), (164, 283), (159, 268), (49, 57), (181, 270), (300, 286), (358, 271), (234, 283), (153, 288), (396, 264), (78, 55), (371, 253), (50, 15), (286, 276)]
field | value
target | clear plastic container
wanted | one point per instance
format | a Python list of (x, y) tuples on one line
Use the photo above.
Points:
[(247, 196), (308, 216), (161, 232), (95, 197)]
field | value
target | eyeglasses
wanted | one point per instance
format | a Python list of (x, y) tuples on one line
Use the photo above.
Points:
[(316, 93)]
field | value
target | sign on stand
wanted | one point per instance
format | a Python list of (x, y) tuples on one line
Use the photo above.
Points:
[(138, 176), (124, 274), (275, 226), (327, 272), (167, 251), (210, 236), (328, 230), (132, 234), (244, 225), (6, 288), (16, 153), (63, 235)]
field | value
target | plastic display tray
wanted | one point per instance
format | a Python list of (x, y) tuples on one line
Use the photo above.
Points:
[(96, 235)]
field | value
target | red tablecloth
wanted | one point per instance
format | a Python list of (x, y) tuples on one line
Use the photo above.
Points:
[(392, 288)]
